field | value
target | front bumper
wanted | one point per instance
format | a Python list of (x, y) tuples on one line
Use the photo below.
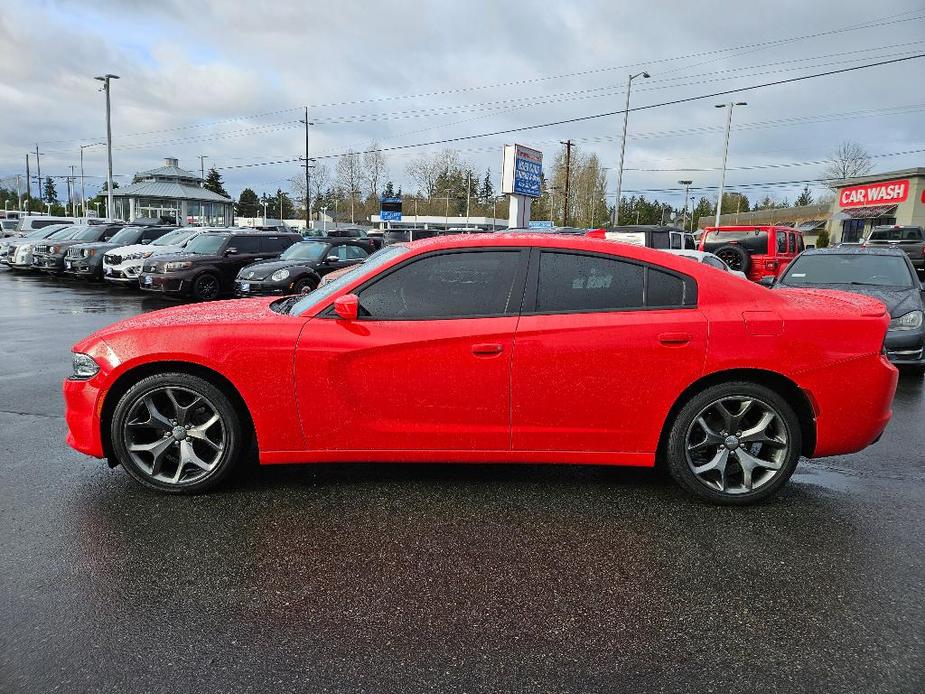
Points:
[(127, 273), (82, 404), (164, 284), (48, 263), (906, 347), (246, 288), (81, 267)]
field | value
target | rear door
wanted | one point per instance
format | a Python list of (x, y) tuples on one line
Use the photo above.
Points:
[(603, 348), (427, 365), (248, 251)]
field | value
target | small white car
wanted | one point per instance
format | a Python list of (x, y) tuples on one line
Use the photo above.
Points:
[(706, 259), (123, 265)]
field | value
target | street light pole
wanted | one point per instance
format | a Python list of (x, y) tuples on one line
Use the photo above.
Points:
[(105, 79), (687, 187), (202, 169), (722, 180), (626, 112)]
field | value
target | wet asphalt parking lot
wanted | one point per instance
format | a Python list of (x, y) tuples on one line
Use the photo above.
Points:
[(437, 578)]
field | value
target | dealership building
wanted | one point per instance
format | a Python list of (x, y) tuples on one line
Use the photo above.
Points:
[(170, 192)]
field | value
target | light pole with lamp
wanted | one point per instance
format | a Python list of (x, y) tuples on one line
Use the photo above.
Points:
[(722, 180), (687, 188), (83, 194), (105, 79), (626, 113)]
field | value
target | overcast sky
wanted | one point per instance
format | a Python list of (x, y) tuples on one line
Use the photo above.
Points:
[(228, 80)]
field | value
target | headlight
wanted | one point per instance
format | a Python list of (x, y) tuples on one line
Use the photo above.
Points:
[(84, 366), (87, 252), (24, 249), (909, 321), (54, 249), (279, 275), (181, 265)]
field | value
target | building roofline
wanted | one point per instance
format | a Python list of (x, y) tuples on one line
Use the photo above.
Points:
[(876, 178)]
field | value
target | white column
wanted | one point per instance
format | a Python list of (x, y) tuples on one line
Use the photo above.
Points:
[(519, 211)]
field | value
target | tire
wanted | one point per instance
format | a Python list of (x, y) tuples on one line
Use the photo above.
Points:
[(692, 445), (156, 418), (305, 282), (206, 287), (736, 257)]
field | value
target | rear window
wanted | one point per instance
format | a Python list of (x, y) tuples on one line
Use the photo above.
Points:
[(896, 234), (850, 268), (752, 241)]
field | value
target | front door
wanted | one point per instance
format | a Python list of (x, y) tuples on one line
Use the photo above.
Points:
[(601, 353), (427, 364)]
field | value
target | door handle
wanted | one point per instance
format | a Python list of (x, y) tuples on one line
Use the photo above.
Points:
[(487, 349), (674, 338)]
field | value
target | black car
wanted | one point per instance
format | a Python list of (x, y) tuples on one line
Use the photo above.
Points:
[(86, 259), (48, 256), (301, 266), (208, 265), (886, 274), (374, 243), (390, 236)]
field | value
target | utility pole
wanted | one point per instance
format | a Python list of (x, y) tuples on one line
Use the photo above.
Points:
[(626, 113), (83, 194), (468, 195), (28, 184), (18, 194), (568, 174), (110, 206), (38, 168), (202, 169), (71, 188), (308, 180), (722, 180), (687, 187)]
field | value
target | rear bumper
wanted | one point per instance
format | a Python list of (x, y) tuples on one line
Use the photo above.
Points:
[(853, 403)]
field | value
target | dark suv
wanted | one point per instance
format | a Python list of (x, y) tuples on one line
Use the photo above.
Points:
[(301, 266), (208, 265), (48, 256), (86, 259)]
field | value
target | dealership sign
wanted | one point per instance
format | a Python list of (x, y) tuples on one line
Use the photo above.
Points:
[(889, 193), (522, 171)]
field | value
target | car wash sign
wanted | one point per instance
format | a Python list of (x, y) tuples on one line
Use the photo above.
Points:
[(888, 193), (522, 171)]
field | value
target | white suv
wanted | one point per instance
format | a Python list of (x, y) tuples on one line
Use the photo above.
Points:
[(122, 265)]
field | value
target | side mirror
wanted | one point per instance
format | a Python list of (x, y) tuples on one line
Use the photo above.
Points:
[(767, 281), (145, 242), (332, 259), (347, 306), (231, 251)]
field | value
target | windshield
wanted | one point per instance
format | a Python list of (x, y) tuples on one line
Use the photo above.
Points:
[(65, 233), (753, 241), (175, 238), (46, 232), (376, 260), (206, 244), (127, 236), (88, 234), (854, 268), (306, 250)]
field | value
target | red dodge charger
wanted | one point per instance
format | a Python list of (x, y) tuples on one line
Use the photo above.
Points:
[(494, 348)]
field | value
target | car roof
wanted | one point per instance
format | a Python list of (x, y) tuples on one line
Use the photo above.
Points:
[(855, 250), (753, 227)]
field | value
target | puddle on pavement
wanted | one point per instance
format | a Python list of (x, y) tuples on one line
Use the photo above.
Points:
[(833, 478)]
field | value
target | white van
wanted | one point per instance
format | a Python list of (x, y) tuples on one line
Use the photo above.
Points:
[(31, 222)]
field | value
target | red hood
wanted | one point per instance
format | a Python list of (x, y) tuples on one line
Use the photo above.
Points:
[(231, 312)]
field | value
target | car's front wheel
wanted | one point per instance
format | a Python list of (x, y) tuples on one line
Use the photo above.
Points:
[(734, 443), (176, 433), (206, 287)]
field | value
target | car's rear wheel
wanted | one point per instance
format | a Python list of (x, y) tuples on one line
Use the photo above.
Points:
[(176, 433), (206, 287), (734, 443), (736, 257)]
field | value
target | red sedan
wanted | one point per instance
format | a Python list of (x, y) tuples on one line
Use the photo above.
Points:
[(494, 348)]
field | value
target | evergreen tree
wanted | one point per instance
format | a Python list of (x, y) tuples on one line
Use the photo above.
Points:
[(51, 193), (806, 198), (248, 204), (214, 182), (389, 191), (487, 191), (704, 208)]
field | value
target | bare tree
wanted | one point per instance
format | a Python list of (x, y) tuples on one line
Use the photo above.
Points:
[(374, 170), (320, 178), (426, 169), (847, 161), (349, 172)]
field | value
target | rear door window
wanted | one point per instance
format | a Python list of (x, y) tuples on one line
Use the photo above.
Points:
[(245, 244), (273, 244), (753, 241), (781, 242)]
